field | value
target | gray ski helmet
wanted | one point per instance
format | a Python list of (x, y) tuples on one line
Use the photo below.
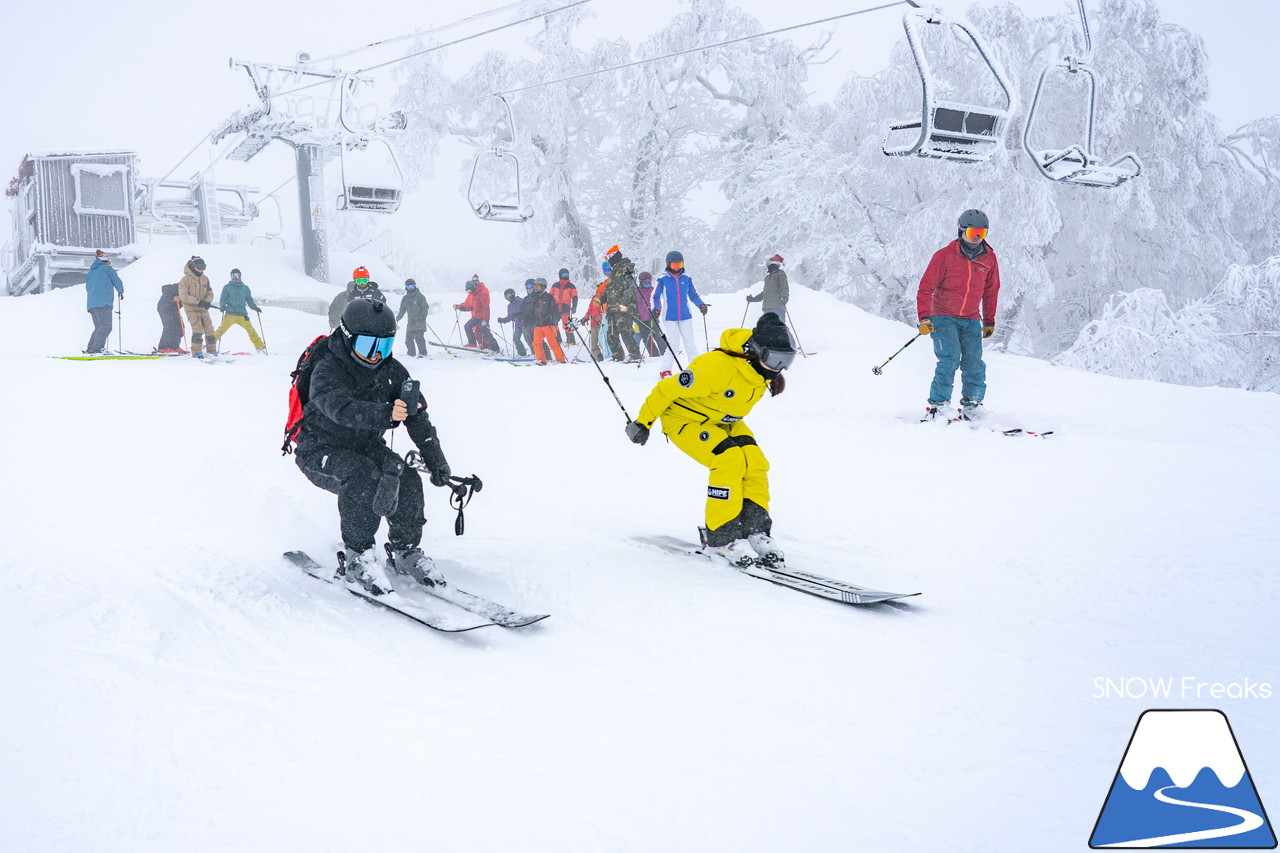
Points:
[(470, 286), (540, 282), (673, 256), (974, 218)]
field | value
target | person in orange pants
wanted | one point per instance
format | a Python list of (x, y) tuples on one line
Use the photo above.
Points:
[(541, 313)]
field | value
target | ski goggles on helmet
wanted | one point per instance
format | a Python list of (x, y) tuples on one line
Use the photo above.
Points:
[(369, 346), (564, 276), (361, 282), (973, 235), (776, 359), (676, 266)]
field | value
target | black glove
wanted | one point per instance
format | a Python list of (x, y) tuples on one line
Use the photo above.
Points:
[(122, 296), (258, 310), (759, 298), (703, 308), (638, 433), (503, 320), (440, 474), (204, 304)]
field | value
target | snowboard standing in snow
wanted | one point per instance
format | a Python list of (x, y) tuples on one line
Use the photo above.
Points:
[(702, 410), (349, 390)]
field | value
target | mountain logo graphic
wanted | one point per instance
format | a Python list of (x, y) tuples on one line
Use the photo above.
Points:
[(1183, 783)]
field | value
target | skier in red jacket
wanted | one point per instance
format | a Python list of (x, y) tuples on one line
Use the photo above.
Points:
[(477, 328), (956, 304)]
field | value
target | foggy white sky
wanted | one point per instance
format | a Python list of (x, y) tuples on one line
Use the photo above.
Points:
[(152, 76)]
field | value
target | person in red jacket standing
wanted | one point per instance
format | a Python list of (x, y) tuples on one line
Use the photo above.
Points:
[(956, 304), (477, 328)]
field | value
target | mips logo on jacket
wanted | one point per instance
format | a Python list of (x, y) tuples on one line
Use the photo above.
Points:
[(1183, 783), (720, 493)]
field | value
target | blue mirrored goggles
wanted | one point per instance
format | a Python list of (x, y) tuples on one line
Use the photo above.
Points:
[(368, 346)]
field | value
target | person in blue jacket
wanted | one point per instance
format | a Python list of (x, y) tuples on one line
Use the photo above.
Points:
[(99, 281), (676, 287)]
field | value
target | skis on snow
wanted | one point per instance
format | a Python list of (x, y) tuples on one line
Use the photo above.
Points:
[(782, 575), (479, 612)]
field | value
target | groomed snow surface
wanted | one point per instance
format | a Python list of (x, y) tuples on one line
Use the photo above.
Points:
[(169, 683)]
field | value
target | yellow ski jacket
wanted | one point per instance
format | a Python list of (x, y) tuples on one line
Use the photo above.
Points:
[(716, 387)]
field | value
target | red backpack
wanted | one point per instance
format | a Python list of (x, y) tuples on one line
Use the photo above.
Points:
[(299, 392)]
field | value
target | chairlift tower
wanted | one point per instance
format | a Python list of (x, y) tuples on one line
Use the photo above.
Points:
[(311, 111)]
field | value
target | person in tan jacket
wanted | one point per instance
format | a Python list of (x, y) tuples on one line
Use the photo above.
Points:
[(196, 295)]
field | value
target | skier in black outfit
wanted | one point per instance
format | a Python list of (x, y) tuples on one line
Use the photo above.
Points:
[(354, 397), (170, 320)]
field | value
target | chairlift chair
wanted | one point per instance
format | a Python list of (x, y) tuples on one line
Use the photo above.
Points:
[(1078, 164), (372, 196), (513, 210), (950, 130)]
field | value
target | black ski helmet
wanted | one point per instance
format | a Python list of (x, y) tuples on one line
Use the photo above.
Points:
[(564, 274), (973, 218), (674, 256), (366, 317), (509, 293), (771, 344)]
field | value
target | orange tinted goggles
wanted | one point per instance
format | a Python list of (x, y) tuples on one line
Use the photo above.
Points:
[(676, 265), (975, 234)]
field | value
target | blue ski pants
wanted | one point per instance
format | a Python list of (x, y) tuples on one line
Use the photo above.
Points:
[(958, 343)]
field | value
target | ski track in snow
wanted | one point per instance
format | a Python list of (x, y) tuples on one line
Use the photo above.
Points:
[(176, 685)]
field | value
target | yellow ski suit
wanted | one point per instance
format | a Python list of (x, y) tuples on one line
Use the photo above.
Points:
[(702, 409)]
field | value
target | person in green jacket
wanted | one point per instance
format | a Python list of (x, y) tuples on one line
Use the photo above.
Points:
[(414, 305), (235, 302)]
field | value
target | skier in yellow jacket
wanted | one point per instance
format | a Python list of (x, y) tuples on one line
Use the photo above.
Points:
[(702, 410)]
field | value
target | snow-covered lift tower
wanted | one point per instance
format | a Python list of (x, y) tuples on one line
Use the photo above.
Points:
[(310, 110)]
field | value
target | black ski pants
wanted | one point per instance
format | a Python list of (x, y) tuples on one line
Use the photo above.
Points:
[(415, 342), (353, 476), (101, 328)]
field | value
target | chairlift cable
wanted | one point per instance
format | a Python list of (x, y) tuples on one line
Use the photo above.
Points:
[(437, 47), (640, 62), (420, 33)]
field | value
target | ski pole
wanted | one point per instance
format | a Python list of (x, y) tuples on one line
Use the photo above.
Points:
[(706, 336), (670, 348), (610, 384), (505, 346), (262, 330), (877, 370), (120, 325), (744, 313), (797, 334), (433, 332), (457, 325)]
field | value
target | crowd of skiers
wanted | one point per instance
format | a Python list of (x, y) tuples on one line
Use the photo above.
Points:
[(192, 294), (358, 390)]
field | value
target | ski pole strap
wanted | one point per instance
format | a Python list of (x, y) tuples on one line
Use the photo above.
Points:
[(463, 488)]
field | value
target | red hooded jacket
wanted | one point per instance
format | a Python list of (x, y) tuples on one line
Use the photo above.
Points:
[(477, 302), (954, 286)]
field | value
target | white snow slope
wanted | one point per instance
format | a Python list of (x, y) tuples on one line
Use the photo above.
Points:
[(169, 683)]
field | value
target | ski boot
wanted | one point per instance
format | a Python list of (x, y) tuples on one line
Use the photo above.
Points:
[(970, 410), (737, 552), (415, 564), (935, 410), (767, 550), (362, 567)]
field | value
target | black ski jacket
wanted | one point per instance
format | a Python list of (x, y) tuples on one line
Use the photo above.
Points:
[(539, 309), (349, 406)]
